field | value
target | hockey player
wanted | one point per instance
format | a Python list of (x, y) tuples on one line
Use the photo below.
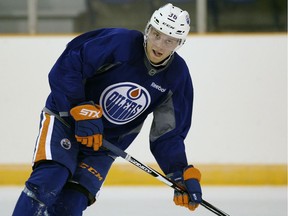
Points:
[(103, 86)]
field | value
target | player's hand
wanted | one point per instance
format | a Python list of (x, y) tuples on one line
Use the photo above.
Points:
[(88, 124), (190, 179)]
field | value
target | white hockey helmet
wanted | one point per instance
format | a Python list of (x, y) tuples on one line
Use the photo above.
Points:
[(171, 21)]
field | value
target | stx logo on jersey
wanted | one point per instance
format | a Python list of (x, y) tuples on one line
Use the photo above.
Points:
[(123, 102), (90, 113)]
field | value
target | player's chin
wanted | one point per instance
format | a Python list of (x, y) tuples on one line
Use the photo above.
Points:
[(156, 58)]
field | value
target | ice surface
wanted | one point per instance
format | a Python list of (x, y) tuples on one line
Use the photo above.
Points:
[(156, 201)]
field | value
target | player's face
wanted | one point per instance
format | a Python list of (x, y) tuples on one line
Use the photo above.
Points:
[(159, 45)]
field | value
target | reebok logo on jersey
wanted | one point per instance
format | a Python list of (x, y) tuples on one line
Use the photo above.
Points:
[(123, 102), (158, 87)]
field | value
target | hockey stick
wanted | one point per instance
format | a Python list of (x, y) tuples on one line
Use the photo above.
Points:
[(157, 175)]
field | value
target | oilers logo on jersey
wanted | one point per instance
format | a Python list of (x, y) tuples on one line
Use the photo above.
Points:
[(123, 102)]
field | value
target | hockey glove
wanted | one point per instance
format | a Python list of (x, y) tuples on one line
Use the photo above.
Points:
[(88, 124), (190, 179)]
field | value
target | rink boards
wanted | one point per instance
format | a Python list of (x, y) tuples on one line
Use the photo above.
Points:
[(127, 174)]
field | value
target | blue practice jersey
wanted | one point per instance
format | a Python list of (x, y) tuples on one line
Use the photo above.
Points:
[(110, 68)]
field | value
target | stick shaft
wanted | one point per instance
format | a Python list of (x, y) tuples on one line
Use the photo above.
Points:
[(157, 175)]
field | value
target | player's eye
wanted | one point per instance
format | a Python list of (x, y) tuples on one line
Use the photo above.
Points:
[(169, 42), (156, 35)]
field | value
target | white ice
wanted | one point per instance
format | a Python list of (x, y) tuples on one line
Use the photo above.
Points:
[(156, 201)]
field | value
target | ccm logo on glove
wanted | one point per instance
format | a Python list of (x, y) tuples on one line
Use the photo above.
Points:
[(88, 124)]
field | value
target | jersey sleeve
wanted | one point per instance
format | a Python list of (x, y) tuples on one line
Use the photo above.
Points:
[(171, 123), (80, 61)]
